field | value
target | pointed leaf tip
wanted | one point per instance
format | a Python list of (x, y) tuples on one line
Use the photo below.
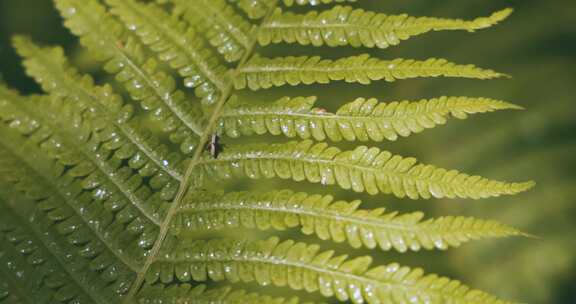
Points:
[(504, 105), (502, 14), (523, 187), (495, 18)]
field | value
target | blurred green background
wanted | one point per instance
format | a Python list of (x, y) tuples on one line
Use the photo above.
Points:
[(537, 46)]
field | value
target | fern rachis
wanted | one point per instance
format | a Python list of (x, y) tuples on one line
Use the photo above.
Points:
[(133, 202)]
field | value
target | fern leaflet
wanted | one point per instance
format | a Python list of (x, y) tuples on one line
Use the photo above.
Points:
[(361, 170), (304, 267), (344, 25), (328, 219), (264, 73), (362, 119)]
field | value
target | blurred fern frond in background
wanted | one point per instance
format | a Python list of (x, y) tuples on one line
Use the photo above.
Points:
[(114, 186)]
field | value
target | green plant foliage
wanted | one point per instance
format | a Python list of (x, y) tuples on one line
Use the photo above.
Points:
[(304, 267), (60, 238), (344, 25), (140, 74), (109, 180), (361, 170), (328, 219), (264, 73), (224, 29), (176, 43), (362, 119)]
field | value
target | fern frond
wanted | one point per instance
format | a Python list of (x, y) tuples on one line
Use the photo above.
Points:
[(263, 73), (177, 44), (302, 267), (314, 2), (362, 119), (117, 189), (29, 271), (331, 220), (223, 27), (361, 170), (51, 69), (344, 25), (187, 294), (90, 160), (94, 203), (69, 245), (140, 75)]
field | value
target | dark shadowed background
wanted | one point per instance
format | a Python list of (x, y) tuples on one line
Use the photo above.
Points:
[(537, 46)]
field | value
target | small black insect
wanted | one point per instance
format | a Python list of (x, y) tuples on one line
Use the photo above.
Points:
[(214, 146)]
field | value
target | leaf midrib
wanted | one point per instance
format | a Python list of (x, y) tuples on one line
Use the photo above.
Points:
[(391, 67), (194, 162), (325, 213), (382, 27), (328, 116)]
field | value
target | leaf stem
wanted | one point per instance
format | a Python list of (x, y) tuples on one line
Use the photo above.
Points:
[(184, 185)]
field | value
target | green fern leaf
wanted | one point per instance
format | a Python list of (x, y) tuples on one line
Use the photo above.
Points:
[(140, 75), (263, 73), (361, 170), (26, 262), (121, 210), (362, 119), (303, 267), (177, 44), (226, 31), (199, 294), (50, 68), (330, 220), (344, 25), (76, 246)]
